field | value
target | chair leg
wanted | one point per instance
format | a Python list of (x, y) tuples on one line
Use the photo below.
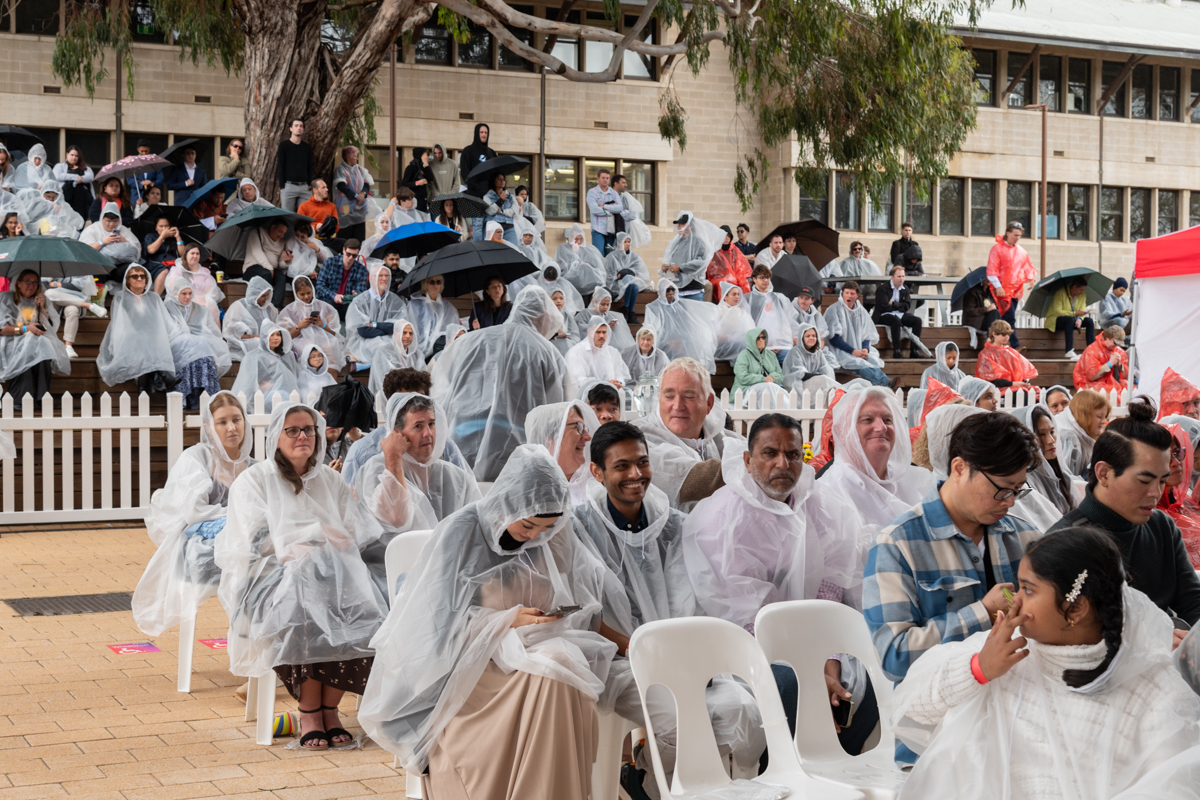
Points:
[(266, 709), (187, 641), (251, 699), (412, 786)]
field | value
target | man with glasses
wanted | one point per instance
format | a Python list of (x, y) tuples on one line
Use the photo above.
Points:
[(343, 277), (939, 572), (1009, 271)]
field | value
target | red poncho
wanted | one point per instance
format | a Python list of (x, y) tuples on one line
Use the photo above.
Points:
[(729, 266), (937, 395), (1175, 392), (1011, 265), (1003, 363), (1176, 503), (822, 458), (1095, 356)]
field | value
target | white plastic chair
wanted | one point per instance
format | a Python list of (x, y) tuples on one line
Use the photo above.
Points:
[(606, 770), (683, 655), (803, 634), (399, 558), (260, 707), (187, 643)]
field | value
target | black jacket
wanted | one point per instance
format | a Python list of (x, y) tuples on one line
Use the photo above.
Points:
[(414, 172), (899, 248), (488, 318), (470, 158), (97, 207), (1156, 562), (884, 304)]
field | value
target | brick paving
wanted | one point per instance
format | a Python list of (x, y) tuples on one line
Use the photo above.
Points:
[(78, 720)]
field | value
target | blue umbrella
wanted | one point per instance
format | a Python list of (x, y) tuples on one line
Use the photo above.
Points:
[(973, 279), (229, 185), (414, 239)]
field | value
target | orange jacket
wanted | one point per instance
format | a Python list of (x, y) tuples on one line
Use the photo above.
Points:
[(1009, 264)]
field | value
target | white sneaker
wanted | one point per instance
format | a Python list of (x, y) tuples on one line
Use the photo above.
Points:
[(1072, 355), (99, 311), (71, 352)]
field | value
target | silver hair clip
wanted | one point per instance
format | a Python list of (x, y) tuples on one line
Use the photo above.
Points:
[(1077, 587)]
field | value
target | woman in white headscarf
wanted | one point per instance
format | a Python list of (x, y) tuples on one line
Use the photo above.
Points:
[(581, 263), (246, 195), (646, 359), (196, 345), (733, 324), (186, 516), (594, 359), (945, 370), (137, 341), (979, 393), (566, 338), (685, 327), (626, 273), (205, 290), (403, 353), (550, 279), (29, 345), (313, 321), (618, 329), (686, 259), (431, 313), (490, 379), (383, 224), (312, 373), (566, 430), (474, 687), (308, 252), (375, 307), (808, 367), (244, 318), (271, 369), (35, 170), (299, 598)]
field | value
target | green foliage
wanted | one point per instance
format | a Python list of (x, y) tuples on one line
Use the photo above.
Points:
[(672, 119), (92, 29), (207, 30), (360, 132)]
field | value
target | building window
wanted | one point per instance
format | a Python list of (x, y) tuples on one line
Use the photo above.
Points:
[(1142, 97), (432, 44), (509, 59), (1019, 96), (566, 50), (1194, 210), (37, 16), (157, 142), (985, 77), (1195, 93), (380, 168), (1139, 214), (562, 189), (50, 137), (93, 144), (814, 207), (881, 216), (1112, 214), (1168, 211), (1116, 104), (522, 176), (1079, 86), (1053, 210), (845, 204), (917, 211), (983, 207), (639, 179), (476, 51), (951, 206), (1020, 204), (1050, 82), (142, 23), (1168, 94), (638, 66), (596, 55), (1079, 212)]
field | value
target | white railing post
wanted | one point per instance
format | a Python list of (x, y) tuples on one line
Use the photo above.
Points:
[(175, 426), (48, 503), (9, 464), (106, 455), (126, 439), (144, 452), (67, 438), (28, 456), (86, 475)]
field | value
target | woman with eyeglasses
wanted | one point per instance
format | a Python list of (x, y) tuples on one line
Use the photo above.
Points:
[(300, 600), (432, 313), (566, 430), (29, 346), (137, 342), (234, 164)]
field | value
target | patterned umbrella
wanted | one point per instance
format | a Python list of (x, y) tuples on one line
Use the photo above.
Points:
[(131, 165)]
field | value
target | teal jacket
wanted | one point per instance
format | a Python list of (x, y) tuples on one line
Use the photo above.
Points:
[(753, 367)]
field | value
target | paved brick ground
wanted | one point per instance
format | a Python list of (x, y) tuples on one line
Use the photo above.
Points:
[(76, 719)]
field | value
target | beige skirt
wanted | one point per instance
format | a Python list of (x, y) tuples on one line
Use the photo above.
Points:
[(518, 737)]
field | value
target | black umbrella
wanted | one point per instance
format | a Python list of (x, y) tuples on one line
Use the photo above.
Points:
[(51, 257), (230, 239), (348, 405), (973, 279), (468, 266), (15, 138), (190, 228), (814, 239), (792, 273), (503, 164), (468, 205), (174, 153)]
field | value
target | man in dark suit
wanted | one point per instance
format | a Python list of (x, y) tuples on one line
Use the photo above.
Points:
[(892, 303)]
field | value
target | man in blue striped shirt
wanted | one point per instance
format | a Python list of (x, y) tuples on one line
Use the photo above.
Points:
[(938, 573)]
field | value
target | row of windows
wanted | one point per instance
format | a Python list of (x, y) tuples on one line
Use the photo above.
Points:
[(970, 207), (1062, 83), (96, 146)]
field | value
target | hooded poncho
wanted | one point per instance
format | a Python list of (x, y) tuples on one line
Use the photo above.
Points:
[(182, 574), (581, 264), (619, 336), (672, 457), (194, 334), (486, 406), (1095, 356), (311, 380), (808, 370), (812, 316), (855, 327), (733, 323), (588, 362), (1003, 363), (1010, 267), (395, 357), (431, 317), (547, 425), (122, 252), (975, 389), (940, 371), (272, 372), (30, 175), (455, 610), (49, 216), (1177, 395), (771, 311), (306, 260), (19, 353), (239, 202), (621, 269), (246, 316), (652, 363), (685, 327), (137, 340), (369, 309), (326, 338), (691, 250)]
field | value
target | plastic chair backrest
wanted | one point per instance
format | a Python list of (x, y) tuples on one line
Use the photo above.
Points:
[(401, 555), (804, 634), (683, 655)]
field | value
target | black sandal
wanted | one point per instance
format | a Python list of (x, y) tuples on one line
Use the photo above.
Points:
[(312, 735), (332, 732)]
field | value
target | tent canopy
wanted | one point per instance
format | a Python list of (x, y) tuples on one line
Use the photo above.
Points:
[(1175, 253)]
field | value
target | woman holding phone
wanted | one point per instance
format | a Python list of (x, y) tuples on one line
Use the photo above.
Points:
[(27, 354)]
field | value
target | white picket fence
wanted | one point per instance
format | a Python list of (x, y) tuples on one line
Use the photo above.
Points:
[(59, 474)]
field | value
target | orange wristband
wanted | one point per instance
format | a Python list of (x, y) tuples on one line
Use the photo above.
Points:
[(976, 671)]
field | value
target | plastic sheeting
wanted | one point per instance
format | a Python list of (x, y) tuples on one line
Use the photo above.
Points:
[(975, 389), (685, 327), (672, 457), (486, 406), (1003, 363), (619, 335), (641, 364), (855, 326), (588, 362), (1074, 445), (205, 291), (122, 252), (455, 610), (772, 312), (137, 340), (246, 316), (1095, 356), (691, 250), (398, 356), (195, 335), (267, 370), (580, 263), (547, 425), (733, 323), (368, 309), (1177, 502), (942, 372), (1177, 395), (623, 268), (19, 353), (311, 380), (239, 202), (431, 316), (49, 216), (639, 231), (808, 370), (327, 337)]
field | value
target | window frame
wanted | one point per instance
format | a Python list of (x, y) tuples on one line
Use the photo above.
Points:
[(1086, 63), (574, 193), (1159, 218), (985, 97), (1022, 88), (990, 208), (1074, 215), (843, 188), (961, 223), (912, 202), (1118, 215), (1146, 72), (648, 199), (1160, 92), (1045, 95), (1026, 215), (879, 205), (1149, 219), (1119, 102)]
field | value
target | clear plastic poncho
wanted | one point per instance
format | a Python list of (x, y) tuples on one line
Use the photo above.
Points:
[(49, 216), (808, 370), (395, 357), (691, 250), (812, 316), (1133, 732), (672, 457), (137, 340), (772, 312), (573, 301), (455, 610), (547, 425), (30, 175), (580, 264), (1074, 445), (383, 224), (489, 381), (618, 262), (940, 371), (306, 261), (196, 335), (239, 202), (182, 573), (366, 310), (619, 335), (295, 312), (431, 316), (639, 231), (590, 363), (685, 327), (975, 389), (272, 372), (642, 364), (311, 380), (855, 326), (123, 252), (293, 583), (733, 323), (19, 353), (246, 316)]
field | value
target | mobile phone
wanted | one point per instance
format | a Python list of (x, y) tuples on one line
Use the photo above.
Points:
[(562, 611), (843, 712), (315, 315)]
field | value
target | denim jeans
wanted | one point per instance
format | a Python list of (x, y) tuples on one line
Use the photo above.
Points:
[(604, 242), (1010, 317), (875, 375), (631, 293)]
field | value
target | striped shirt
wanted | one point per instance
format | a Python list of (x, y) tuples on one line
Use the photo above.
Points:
[(924, 582)]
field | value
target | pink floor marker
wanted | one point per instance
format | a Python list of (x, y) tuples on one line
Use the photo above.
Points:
[(133, 649), (215, 644)]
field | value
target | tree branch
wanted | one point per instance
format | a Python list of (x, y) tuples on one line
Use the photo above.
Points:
[(353, 4)]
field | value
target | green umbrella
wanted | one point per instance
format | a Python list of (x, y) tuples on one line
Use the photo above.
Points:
[(229, 240), (1044, 290), (51, 257)]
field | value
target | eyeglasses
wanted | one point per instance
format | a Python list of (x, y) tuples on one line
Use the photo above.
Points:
[(579, 427), (308, 431), (137, 277), (1003, 494), (436, 283), (855, 249), (28, 282), (1177, 454), (236, 146)]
